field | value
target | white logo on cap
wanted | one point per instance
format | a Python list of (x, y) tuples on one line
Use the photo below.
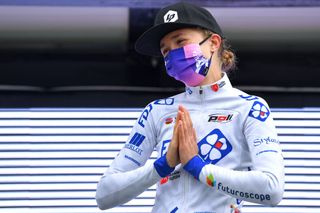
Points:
[(170, 16)]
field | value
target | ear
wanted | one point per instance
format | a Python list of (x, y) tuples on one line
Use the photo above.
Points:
[(215, 42)]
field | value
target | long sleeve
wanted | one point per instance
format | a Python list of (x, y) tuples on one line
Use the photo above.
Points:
[(264, 184), (129, 175)]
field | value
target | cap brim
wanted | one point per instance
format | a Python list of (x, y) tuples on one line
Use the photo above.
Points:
[(149, 42)]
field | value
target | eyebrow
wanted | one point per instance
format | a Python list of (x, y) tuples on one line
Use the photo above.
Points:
[(172, 37)]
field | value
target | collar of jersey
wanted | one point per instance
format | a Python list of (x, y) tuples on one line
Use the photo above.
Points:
[(215, 88)]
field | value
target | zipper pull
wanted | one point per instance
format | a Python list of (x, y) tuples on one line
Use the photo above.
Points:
[(200, 91)]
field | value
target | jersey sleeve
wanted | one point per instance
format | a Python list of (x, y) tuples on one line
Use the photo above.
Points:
[(129, 174), (264, 183)]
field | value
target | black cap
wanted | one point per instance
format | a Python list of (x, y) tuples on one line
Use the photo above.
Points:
[(171, 18)]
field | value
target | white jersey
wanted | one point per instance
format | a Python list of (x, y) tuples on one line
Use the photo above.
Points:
[(239, 155)]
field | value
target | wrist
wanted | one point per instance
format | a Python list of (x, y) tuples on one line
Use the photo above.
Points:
[(162, 166), (170, 162), (194, 166)]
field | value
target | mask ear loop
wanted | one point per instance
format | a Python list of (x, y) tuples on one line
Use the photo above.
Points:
[(204, 40), (207, 68)]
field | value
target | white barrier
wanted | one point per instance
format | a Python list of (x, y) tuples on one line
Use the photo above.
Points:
[(51, 159)]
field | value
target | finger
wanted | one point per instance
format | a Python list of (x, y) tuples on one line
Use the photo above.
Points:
[(181, 133), (178, 117), (180, 112), (186, 133), (176, 136), (181, 107), (182, 116), (184, 123), (187, 128), (188, 119)]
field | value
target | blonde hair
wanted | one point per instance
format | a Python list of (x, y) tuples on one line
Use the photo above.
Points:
[(227, 56)]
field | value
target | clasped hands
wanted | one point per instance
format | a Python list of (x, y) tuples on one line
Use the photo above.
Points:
[(183, 146)]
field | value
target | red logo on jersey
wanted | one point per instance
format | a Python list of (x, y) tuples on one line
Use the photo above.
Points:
[(164, 180), (172, 176), (215, 87), (170, 120)]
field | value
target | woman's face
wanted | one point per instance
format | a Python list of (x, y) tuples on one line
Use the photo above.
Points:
[(182, 37)]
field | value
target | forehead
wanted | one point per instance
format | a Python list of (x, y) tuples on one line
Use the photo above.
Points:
[(180, 32)]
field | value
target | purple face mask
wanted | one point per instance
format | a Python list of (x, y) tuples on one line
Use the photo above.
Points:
[(187, 64)]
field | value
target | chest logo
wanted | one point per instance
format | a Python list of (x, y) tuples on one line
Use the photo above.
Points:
[(220, 118), (170, 120), (214, 147)]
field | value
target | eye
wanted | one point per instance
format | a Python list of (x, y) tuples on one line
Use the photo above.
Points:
[(179, 41)]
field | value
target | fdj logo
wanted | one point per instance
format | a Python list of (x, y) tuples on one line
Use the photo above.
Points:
[(259, 111), (170, 16), (144, 115), (214, 147), (164, 148)]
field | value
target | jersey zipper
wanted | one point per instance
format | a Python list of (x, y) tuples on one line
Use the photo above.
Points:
[(201, 94), (185, 193)]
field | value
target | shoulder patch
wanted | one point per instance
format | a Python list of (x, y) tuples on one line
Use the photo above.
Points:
[(259, 111)]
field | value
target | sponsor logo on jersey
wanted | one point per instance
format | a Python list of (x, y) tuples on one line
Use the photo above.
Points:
[(135, 142), (266, 151), (145, 114), (214, 147), (170, 120), (210, 180), (171, 177), (220, 118), (246, 195), (166, 101), (238, 201), (164, 148), (189, 91), (174, 210), (268, 140), (249, 97), (164, 180), (216, 87), (133, 160), (259, 111)]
